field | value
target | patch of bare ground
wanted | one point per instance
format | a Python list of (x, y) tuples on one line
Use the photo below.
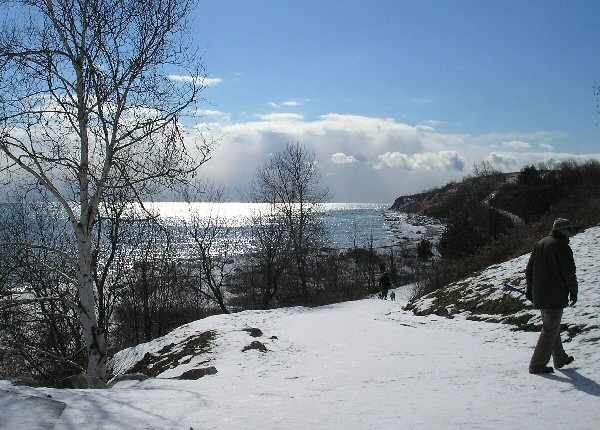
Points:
[(173, 355)]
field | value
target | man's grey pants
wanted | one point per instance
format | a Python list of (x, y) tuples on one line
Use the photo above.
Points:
[(549, 343)]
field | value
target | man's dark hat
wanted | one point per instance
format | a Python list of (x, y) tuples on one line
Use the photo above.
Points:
[(562, 224)]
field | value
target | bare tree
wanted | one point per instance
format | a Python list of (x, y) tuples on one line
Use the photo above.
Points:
[(270, 253), (214, 242), (39, 331), (120, 234), (213, 246), (290, 181), (159, 290), (86, 105)]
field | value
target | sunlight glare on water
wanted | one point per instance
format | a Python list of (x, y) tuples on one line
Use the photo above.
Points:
[(348, 224), (231, 214)]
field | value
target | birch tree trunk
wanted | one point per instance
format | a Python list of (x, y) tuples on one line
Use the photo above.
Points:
[(93, 335)]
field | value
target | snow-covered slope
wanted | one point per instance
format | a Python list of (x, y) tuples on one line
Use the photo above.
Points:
[(482, 297), (367, 364)]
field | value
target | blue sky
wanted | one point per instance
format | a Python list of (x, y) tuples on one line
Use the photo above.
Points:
[(397, 96)]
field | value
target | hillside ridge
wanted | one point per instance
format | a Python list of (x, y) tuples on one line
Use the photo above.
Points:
[(481, 297)]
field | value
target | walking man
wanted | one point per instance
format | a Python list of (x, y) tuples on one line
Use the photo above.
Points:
[(384, 283), (551, 280)]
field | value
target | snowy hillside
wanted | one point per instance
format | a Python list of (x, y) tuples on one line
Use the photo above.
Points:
[(367, 364), (483, 298)]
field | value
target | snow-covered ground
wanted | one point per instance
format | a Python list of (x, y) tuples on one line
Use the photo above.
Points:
[(366, 364), (483, 296)]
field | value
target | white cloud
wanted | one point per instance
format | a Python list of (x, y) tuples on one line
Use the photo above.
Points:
[(136, 112), (287, 103), (517, 145), (527, 137), (360, 140), (388, 158), (364, 158), (282, 117), (209, 82), (207, 112), (432, 122), (341, 158), (514, 161), (198, 80), (444, 160), (503, 162)]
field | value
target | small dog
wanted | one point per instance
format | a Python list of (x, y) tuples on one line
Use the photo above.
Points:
[(392, 296)]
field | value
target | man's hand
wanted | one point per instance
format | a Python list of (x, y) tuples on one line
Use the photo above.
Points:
[(573, 300)]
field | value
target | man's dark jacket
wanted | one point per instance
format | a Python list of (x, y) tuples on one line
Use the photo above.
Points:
[(551, 274)]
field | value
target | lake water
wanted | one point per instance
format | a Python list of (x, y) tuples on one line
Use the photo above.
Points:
[(348, 224)]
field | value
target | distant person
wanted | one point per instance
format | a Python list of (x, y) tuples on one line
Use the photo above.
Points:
[(551, 279), (384, 283)]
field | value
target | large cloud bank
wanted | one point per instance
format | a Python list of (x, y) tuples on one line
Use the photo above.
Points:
[(366, 159)]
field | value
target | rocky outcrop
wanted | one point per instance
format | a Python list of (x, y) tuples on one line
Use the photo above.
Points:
[(255, 345), (81, 381), (173, 355), (194, 374)]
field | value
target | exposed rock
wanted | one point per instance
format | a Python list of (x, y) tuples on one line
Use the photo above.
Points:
[(255, 345), (194, 374), (26, 381), (254, 332), (173, 355), (128, 377), (81, 381)]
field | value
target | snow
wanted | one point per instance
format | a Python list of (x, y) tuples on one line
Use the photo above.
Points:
[(487, 287), (366, 364)]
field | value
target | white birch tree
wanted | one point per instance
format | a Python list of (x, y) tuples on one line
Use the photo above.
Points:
[(91, 96)]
